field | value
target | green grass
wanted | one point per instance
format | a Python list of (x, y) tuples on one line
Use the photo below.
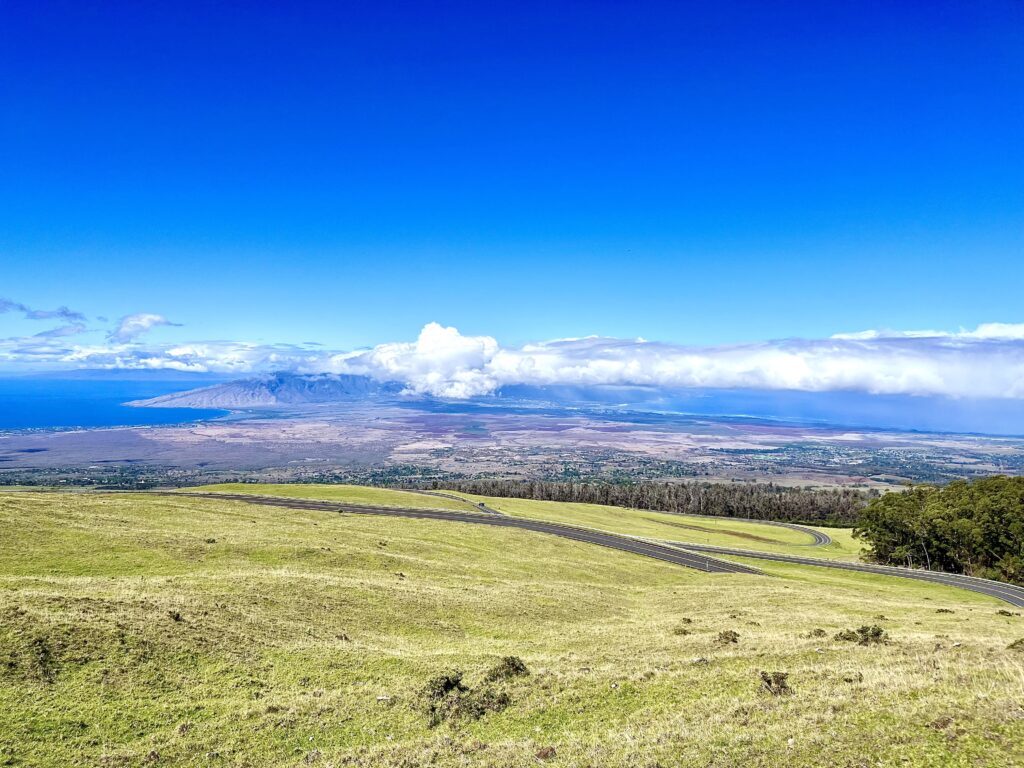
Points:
[(354, 494), (718, 531), (164, 631)]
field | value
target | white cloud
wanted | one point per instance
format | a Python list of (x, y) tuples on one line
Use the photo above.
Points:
[(983, 331), (131, 326), (440, 362), (987, 362), (60, 313)]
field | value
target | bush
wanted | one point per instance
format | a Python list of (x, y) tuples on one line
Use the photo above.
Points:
[(776, 683), (446, 697), (728, 636), (866, 635), (508, 667)]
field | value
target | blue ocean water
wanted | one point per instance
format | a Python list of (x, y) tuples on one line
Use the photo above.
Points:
[(42, 403)]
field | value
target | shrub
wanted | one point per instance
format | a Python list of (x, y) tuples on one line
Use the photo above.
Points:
[(446, 697), (776, 683), (508, 667), (866, 635), (728, 636)]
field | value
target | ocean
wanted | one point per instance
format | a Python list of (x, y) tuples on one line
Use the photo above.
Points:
[(44, 403)]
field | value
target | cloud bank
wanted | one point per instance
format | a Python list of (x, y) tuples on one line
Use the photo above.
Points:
[(984, 363)]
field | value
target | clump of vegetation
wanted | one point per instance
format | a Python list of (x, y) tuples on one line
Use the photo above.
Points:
[(819, 632), (959, 528), (508, 667), (944, 610), (727, 636), (866, 635), (776, 683), (1017, 645), (43, 658), (447, 698), (1004, 612)]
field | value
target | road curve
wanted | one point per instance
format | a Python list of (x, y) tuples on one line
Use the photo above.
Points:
[(820, 539), (440, 494), (679, 553), (1007, 592), (698, 561)]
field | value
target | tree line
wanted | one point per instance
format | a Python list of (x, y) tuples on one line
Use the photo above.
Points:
[(758, 501), (975, 528)]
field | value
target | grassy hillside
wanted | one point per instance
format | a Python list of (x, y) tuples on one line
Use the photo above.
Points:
[(719, 531), (164, 631), (354, 494)]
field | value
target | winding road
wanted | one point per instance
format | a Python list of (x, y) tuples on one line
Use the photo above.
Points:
[(697, 556), (1007, 592), (653, 549)]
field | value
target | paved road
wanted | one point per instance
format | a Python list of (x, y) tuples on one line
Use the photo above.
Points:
[(679, 553), (475, 505), (613, 541), (1007, 592), (820, 539)]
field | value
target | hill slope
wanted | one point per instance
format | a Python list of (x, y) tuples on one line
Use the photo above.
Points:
[(155, 630), (279, 389)]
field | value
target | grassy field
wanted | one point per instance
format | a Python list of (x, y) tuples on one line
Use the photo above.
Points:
[(162, 631), (354, 494), (718, 531)]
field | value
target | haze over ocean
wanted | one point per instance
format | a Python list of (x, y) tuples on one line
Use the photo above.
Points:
[(32, 403)]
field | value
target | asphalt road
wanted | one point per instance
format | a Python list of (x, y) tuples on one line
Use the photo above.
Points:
[(476, 505), (1007, 592), (679, 553), (820, 539), (651, 549)]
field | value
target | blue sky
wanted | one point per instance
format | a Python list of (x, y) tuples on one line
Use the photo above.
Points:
[(341, 173)]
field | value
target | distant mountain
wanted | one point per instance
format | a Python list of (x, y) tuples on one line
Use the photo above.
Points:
[(278, 389)]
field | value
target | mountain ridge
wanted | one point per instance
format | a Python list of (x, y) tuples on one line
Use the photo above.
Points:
[(270, 390)]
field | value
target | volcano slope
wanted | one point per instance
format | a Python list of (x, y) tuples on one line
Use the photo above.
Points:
[(139, 630)]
